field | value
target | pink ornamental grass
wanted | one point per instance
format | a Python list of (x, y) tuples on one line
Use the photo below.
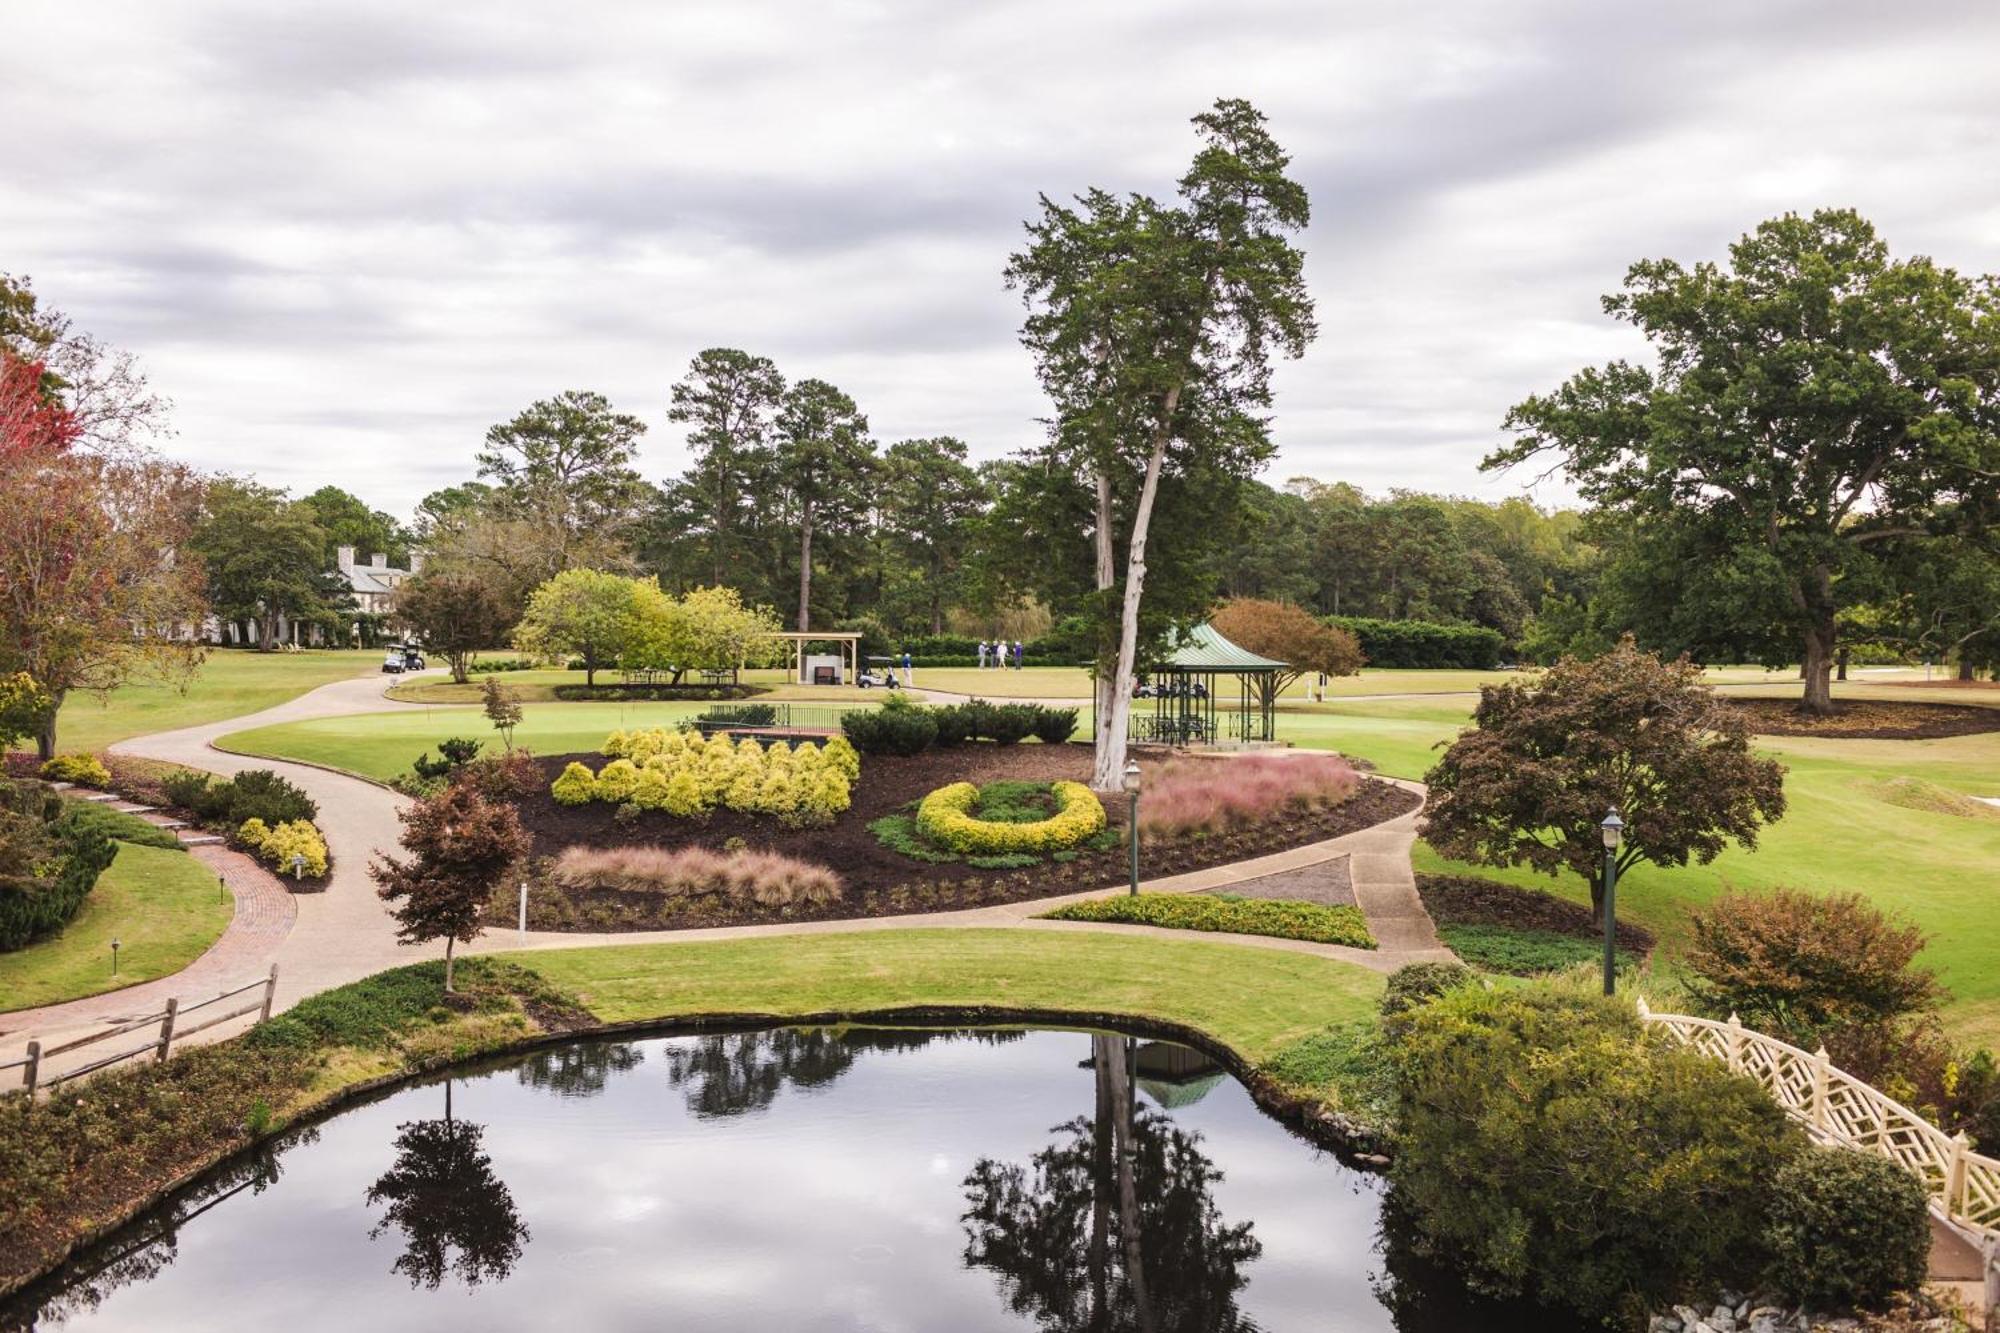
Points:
[(769, 878), (1215, 795)]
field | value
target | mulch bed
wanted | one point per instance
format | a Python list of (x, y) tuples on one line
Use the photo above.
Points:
[(1329, 883), (1466, 900), (1870, 719), (881, 882)]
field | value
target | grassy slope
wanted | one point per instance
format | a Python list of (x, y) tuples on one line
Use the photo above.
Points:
[(1839, 834), (1255, 1000), (161, 906), (230, 683)]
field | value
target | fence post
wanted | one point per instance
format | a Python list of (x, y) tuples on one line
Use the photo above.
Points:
[(1954, 1175), (1645, 1010), (1734, 1045), (32, 1074), (167, 1027), (270, 992), (1820, 1065)]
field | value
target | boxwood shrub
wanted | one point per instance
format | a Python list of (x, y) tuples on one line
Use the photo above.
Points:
[(1556, 1150), (1421, 643), (1846, 1228)]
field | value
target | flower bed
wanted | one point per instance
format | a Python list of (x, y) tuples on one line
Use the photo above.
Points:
[(684, 776), (1202, 796), (1228, 914), (946, 818)]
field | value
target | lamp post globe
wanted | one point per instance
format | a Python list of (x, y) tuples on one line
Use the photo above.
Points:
[(1613, 831)]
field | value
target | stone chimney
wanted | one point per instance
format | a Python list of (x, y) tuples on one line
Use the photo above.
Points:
[(378, 561), (416, 562), (343, 557)]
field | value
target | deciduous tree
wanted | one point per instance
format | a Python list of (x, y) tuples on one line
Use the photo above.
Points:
[(461, 847), (456, 616), (266, 560), (1531, 781), (586, 613), (1153, 329), (1289, 634), (1814, 403)]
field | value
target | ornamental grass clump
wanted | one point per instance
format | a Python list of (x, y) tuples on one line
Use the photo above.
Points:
[(766, 878), (1205, 796)]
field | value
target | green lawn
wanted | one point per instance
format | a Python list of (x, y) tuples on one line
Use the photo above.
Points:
[(231, 683), (1254, 1000), (1841, 833), (539, 687), (381, 745), (161, 906)]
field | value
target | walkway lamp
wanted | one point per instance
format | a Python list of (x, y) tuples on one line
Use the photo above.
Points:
[(1132, 826), (114, 956), (1613, 829), (298, 865)]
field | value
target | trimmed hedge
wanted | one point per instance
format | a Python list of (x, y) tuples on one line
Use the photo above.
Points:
[(1277, 918), (608, 693), (1423, 643), (897, 727), (945, 817)]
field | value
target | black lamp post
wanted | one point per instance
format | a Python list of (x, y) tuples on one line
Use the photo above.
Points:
[(1132, 827), (1613, 829)]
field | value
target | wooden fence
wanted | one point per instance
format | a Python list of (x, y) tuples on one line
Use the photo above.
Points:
[(172, 1026), (1836, 1107)]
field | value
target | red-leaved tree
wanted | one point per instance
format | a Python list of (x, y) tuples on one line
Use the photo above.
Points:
[(461, 847)]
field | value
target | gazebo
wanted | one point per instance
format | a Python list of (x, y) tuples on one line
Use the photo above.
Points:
[(1208, 690)]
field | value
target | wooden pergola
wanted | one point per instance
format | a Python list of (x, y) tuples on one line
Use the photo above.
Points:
[(850, 649)]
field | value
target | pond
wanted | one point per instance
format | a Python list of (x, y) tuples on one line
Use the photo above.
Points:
[(782, 1179)]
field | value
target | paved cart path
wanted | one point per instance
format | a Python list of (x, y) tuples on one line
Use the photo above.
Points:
[(345, 933)]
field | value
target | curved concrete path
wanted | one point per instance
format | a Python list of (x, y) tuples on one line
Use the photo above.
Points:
[(345, 933)]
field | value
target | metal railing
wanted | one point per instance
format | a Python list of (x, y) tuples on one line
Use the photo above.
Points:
[(172, 1027), (752, 717), (1836, 1107)]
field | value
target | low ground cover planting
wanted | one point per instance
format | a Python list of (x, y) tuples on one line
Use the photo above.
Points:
[(1501, 927), (1227, 914)]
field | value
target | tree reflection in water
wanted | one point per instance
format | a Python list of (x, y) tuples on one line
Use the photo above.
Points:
[(455, 1214), (579, 1070), (1113, 1226)]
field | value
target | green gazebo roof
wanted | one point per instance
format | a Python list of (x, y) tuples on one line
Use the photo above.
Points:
[(1204, 649)]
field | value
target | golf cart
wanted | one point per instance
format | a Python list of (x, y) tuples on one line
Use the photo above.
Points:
[(400, 657), (879, 671)]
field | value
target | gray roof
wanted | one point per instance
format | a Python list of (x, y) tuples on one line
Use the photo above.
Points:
[(1204, 649)]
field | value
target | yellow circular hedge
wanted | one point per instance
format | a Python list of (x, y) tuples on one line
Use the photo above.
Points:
[(945, 817)]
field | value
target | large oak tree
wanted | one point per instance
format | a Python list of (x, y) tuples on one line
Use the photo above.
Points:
[(1812, 403)]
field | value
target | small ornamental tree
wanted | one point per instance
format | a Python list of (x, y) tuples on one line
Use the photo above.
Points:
[(1292, 635), (502, 708), (1532, 779), (461, 846), (585, 613), (455, 615)]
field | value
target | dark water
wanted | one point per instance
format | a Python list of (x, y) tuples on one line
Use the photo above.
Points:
[(800, 1179)]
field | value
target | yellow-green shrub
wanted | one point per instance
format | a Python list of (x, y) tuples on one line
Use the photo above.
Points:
[(85, 770), (616, 746), (945, 817), (616, 781), (277, 846), (576, 786), (840, 752)]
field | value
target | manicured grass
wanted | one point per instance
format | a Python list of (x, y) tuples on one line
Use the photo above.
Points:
[(161, 906), (1224, 914), (1843, 832), (231, 683), (1255, 1000)]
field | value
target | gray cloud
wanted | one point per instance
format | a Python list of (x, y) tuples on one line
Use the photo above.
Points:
[(345, 239)]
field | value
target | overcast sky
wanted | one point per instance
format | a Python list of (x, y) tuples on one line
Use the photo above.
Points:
[(347, 237)]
